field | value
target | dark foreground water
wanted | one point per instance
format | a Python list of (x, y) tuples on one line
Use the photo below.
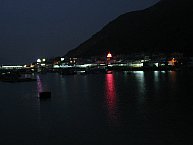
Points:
[(139, 108)]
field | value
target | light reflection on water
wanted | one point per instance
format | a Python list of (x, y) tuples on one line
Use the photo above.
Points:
[(140, 78), (173, 76), (39, 84), (111, 98), (76, 110), (156, 76)]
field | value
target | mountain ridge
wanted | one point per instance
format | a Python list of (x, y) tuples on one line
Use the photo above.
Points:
[(163, 27)]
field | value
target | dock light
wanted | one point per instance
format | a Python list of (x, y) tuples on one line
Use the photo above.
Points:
[(38, 60)]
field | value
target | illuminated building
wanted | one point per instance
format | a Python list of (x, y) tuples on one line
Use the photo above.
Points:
[(172, 62), (109, 56)]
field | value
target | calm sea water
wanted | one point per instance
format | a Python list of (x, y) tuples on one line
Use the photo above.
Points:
[(136, 108)]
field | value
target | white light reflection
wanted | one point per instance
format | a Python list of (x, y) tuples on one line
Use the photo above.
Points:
[(156, 81), (156, 76), (141, 85)]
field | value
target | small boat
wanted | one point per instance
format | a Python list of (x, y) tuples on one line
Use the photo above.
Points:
[(45, 95)]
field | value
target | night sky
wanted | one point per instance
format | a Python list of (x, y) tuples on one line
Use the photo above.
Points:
[(45, 28)]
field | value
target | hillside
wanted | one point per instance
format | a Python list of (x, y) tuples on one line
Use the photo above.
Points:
[(164, 27)]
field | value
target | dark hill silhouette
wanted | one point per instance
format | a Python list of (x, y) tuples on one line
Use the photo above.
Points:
[(165, 27)]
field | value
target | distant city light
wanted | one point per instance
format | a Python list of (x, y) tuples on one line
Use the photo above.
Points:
[(43, 59), (62, 59), (109, 55), (12, 67), (156, 64), (38, 60), (172, 62)]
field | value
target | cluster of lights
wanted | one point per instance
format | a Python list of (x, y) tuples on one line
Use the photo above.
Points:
[(41, 60), (73, 60)]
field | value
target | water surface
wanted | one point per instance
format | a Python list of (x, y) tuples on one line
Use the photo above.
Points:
[(136, 108)]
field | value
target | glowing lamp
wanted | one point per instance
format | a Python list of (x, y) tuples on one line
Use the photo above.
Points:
[(38, 60), (109, 55), (173, 60), (62, 59), (43, 59)]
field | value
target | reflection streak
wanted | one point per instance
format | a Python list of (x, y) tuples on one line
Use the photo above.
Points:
[(111, 98), (39, 84), (140, 77)]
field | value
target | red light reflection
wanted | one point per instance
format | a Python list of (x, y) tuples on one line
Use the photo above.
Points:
[(111, 98)]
